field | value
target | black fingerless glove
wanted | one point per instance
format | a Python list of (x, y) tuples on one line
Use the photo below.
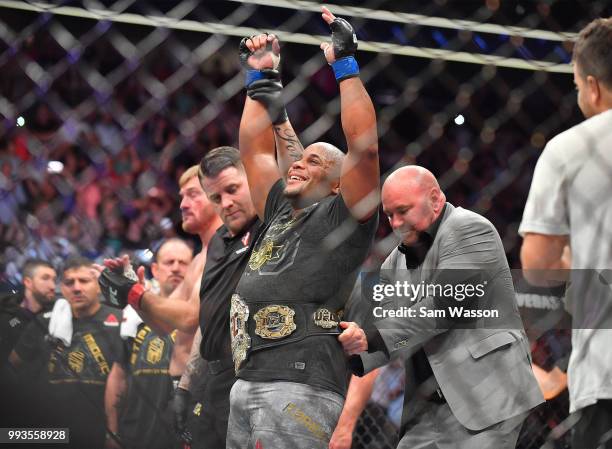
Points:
[(120, 290), (344, 41), (269, 92)]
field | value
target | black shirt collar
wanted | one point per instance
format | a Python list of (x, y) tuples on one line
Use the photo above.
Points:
[(415, 254), (224, 232)]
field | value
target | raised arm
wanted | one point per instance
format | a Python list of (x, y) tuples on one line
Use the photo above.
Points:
[(256, 136), (360, 177), (179, 311), (268, 91)]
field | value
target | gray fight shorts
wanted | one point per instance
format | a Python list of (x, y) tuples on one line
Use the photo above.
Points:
[(281, 415)]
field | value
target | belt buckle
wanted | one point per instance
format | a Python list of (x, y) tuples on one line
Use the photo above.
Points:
[(241, 342), (274, 322)]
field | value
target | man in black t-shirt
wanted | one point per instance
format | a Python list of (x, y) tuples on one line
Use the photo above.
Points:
[(72, 378), (17, 310), (318, 229)]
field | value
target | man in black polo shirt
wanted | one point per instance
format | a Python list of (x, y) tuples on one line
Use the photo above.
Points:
[(224, 181), (73, 377)]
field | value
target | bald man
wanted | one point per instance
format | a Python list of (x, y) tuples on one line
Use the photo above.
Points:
[(319, 223), (447, 303)]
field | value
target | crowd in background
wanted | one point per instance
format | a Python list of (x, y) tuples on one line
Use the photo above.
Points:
[(116, 188)]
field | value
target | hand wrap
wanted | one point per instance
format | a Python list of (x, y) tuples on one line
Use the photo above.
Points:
[(120, 290)]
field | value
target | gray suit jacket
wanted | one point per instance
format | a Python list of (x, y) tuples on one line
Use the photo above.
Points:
[(483, 367)]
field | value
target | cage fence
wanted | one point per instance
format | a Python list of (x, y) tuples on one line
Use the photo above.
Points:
[(104, 105)]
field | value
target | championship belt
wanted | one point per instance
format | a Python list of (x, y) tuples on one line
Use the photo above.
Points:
[(276, 324), (241, 342), (280, 324)]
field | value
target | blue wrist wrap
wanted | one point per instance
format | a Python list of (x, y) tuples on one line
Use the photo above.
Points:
[(252, 76), (345, 68)]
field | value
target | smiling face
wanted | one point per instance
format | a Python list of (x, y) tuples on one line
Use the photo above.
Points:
[(230, 196), (196, 210), (315, 176)]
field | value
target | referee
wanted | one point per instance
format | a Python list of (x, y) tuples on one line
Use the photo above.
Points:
[(224, 181)]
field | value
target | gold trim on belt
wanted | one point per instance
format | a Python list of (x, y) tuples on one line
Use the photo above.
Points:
[(274, 322), (241, 342)]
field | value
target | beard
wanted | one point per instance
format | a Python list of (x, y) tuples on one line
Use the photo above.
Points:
[(301, 197), (189, 228), (292, 193), (42, 299)]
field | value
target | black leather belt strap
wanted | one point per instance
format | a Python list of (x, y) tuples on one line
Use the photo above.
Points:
[(218, 366)]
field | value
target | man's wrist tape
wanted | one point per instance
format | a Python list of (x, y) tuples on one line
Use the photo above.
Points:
[(345, 68), (252, 76), (135, 295)]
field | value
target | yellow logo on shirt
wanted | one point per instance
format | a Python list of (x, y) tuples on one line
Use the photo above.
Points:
[(96, 352), (197, 409), (76, 361), (155, 351), (266, 252)]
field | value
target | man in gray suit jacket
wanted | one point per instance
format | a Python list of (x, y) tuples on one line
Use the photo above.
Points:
[(448, 304)]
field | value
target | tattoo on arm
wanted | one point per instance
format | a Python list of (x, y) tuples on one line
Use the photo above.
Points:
[(194, 368), (120, 400), (292, 143), (195, 365)]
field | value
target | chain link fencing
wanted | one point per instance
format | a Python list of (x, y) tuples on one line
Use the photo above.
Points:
[(105, 104)]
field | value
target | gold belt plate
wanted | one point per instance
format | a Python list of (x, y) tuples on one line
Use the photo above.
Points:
[(274, 322), (241, 342)]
